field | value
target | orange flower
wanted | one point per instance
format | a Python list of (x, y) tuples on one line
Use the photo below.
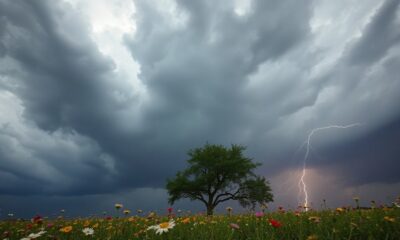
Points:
[(186, 220), (66, 229)]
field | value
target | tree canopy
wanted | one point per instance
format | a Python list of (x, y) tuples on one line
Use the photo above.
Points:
[(217, 174)]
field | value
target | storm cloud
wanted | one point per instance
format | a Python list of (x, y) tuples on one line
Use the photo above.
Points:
[(102, 99)]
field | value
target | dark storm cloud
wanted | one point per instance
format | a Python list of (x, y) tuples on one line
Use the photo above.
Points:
[(210, 74), (369, 71), (196, 71), (63, 88), (374, 156), (194, 76), (379, 36)]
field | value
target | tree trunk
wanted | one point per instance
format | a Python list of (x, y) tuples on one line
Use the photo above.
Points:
[(210, 210)]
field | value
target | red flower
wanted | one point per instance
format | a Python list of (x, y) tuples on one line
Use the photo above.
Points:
[(169, 210), (37, 219), (275, 223), (109, 218)]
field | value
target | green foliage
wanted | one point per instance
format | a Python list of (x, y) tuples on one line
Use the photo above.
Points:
[(217, 174)]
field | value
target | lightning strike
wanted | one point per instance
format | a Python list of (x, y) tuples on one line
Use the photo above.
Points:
[(302, 184)]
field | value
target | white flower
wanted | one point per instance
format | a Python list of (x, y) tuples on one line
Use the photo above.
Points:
[(88, 231), (35, 235), (162, 227)]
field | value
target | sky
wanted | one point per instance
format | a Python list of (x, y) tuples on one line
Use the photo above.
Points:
[(100, 100)]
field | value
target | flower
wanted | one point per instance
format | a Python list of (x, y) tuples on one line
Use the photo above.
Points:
[(151, 215), (36, 235), (263, 206), (66, 229), (259, 214), (127, 212), (88, 231), (275, 223), (281, 209), (118, 206), (234, 226), (37, 219), (339, 210), (389, 219), (162, 227), (186, 220), (312, 237), (315, 219), (229, 210), (169, 210)]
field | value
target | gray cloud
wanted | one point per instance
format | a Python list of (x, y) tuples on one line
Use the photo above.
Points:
[(261, 78)]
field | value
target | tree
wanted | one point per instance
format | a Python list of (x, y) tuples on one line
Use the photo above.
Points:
[(217, 174)]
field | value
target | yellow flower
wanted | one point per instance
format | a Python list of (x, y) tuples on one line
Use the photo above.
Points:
[(96, 225), (126, 211), (339, 210), (312, 237), (389, 219), (118, 205), (86, 223), (314, 219), (66, 229)]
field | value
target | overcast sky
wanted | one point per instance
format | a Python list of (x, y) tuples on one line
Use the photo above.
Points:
[(101, 100)]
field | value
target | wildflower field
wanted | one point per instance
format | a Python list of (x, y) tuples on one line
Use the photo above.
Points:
[(340, 223)]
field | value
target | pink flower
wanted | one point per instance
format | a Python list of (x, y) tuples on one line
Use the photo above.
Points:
[(234, 226), (259, 214)]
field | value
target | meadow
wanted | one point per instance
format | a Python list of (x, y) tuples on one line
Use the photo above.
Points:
[(341, 223)]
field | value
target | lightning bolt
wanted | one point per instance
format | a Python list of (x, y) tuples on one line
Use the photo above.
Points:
[(302, 184)]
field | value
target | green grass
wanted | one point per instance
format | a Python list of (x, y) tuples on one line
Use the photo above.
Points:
[(379, 223)]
